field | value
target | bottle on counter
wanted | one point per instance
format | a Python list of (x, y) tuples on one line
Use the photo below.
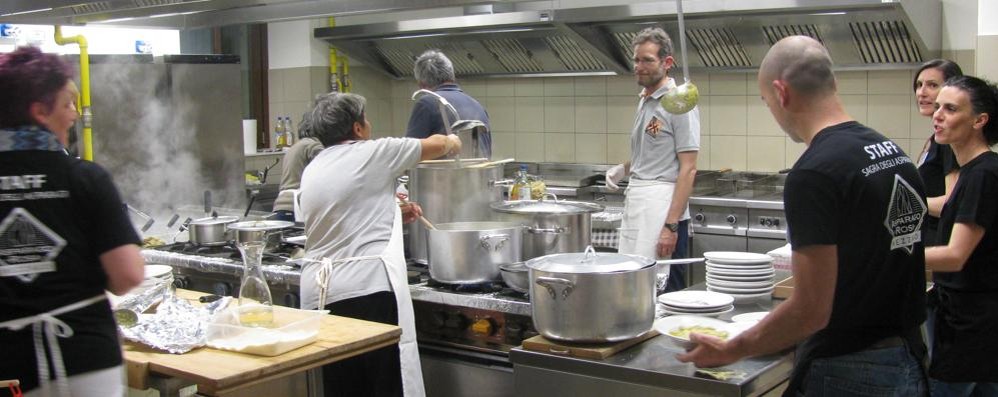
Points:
[(256, 307), (279, 141), (521, 185), (289, 132)]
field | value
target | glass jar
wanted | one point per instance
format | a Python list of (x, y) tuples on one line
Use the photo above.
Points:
[(256, 307)]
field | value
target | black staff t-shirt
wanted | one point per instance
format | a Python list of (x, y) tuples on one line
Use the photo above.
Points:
[(967, 313), (857, 190), (50, 202), (939, 161)]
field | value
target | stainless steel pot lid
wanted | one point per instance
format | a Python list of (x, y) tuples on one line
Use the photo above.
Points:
[(546, 207), (590, 262), (253, 226), (215, 220)]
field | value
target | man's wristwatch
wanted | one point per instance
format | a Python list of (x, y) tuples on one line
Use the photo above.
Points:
[(673, 227)]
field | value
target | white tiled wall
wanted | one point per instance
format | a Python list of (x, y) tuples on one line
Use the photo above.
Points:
[(587, 119)]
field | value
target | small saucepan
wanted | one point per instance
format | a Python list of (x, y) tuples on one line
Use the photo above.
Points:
[(269, 232), (210, 231)]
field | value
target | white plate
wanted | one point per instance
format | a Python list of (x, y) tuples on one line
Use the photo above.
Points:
[(738, 290), (737, 258), (740, 267), (667, 310), (739, 284), (297, 240), (752, 317), (729, 272), (741, 278), (667, 324), (695, 299), (750, 297), (694, 311), (157, 271)]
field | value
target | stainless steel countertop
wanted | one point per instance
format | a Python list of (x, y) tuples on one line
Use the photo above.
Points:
[(291, 274), (653, 364)]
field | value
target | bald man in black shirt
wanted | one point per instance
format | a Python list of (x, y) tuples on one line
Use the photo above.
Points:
[(855, 206)]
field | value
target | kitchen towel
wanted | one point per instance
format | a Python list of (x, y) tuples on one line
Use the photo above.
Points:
[(249, 136)]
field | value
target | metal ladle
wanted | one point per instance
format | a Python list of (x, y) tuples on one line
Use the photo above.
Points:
[(683, 98), (444, 107)]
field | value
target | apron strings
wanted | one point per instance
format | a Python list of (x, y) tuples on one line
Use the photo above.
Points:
[(46, 328), (322, 276)]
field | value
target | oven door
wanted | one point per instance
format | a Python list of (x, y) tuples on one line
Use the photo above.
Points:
[(450, 371)]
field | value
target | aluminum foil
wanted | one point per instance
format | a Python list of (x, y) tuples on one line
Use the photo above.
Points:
[(177, 326), (127, 311)]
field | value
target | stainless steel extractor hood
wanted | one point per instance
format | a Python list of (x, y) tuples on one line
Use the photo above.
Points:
[(722, 35)]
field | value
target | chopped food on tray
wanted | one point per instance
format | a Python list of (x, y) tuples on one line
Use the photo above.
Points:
[(684, 332)]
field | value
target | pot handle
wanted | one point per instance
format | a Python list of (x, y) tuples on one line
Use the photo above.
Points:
[(539, 230), (485, 241), (552, 282)]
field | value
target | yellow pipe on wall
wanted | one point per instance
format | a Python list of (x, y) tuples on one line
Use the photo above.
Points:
[(88, 147), (334, 75)]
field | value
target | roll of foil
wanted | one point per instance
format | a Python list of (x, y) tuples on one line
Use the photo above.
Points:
[(128, 310), (177, 326)]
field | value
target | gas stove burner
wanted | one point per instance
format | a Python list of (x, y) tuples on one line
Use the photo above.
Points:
[(488, 286)]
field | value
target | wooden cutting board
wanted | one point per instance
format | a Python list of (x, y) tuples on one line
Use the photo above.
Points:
[(783, 289), (218, 372), (597, 351)]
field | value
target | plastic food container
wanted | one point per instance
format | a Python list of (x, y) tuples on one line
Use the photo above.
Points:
[(293, 328)]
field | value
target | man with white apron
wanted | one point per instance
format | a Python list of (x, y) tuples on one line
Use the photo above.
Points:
[(664, 150), (355, 266)]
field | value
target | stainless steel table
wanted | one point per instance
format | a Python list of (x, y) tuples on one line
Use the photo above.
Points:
[(647, 369)]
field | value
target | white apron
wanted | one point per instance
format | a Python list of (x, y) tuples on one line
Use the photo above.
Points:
[(47, 326), (646, 205), (394, 260)]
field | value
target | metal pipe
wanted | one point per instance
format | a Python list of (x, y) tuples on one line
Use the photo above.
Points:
[(88, 142)]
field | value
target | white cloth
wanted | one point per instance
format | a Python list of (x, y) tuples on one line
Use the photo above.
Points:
[(47, 328), (646, 205), (393, 259)]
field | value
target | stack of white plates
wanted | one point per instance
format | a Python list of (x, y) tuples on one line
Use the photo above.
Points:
[(743, 275), (701, 303)]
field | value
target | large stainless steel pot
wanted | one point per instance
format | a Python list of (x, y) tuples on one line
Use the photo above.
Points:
[(551, 226), (269, 232), (471, 252), (590, 297), (449, 193), (210, 231)]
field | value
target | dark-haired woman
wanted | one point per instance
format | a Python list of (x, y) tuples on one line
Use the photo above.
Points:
[(65, 238), (965, 264), (936, 164), (353, 224)]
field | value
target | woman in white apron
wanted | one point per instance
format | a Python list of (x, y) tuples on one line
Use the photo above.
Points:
[(355, 265)]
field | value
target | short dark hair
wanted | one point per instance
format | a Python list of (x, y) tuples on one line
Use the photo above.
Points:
[(983, 99), (28, 75), (949, 68), (333, 117), (657, 36), (433, 68)]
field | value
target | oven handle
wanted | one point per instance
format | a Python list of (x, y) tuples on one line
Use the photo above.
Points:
[(773, 234), (719, 230)]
